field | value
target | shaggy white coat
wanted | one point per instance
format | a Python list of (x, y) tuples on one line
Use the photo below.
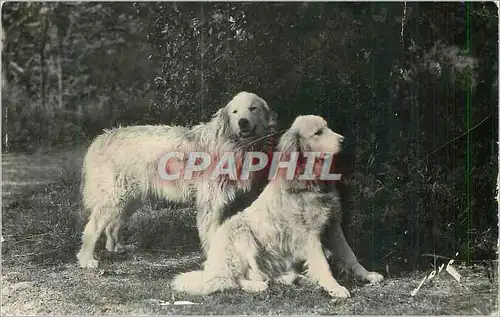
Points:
[(281, 229), (120, 170)]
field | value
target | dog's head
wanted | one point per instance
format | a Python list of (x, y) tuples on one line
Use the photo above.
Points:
[(248, 116), (310, 134)]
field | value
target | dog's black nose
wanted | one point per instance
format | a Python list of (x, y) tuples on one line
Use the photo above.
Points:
[(244, 124)]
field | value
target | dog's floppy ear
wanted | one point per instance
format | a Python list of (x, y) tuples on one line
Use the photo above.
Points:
[(221, 122), (270, 115), (289, 142), (272, 118)]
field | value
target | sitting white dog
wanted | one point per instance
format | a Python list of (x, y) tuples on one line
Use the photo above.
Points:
[(280, 229)]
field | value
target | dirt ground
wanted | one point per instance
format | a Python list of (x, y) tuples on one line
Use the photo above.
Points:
[(41, 229)]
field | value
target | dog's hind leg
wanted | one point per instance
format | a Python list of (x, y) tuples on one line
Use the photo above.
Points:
[(98, 221), (114, 241), (111, 231), (342, 253)]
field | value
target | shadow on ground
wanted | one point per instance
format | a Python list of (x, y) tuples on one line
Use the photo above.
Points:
[(41, 225)]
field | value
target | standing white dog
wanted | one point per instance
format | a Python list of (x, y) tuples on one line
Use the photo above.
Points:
[(280, 229), (120, 170)]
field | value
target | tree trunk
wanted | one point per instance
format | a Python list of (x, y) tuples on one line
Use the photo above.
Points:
[(42, 109), (60, 92), (5, 110), (4, 41)]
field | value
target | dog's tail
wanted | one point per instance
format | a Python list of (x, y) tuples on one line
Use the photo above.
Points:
[(202, 283)]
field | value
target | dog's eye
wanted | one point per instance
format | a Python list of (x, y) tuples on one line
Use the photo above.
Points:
[(235, 111), (319, 132), (252, 108)]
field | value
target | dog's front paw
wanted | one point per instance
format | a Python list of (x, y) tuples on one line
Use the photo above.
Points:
[(339, 291), (253, 286), (87, 262), (373, 277)]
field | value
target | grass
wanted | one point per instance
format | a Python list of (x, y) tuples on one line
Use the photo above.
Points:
[(42, 223)]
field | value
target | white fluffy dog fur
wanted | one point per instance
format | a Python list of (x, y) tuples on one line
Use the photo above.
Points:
[(281, 228), (120, 170)]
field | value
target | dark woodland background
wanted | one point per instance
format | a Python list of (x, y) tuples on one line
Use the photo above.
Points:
[(413, 87)]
